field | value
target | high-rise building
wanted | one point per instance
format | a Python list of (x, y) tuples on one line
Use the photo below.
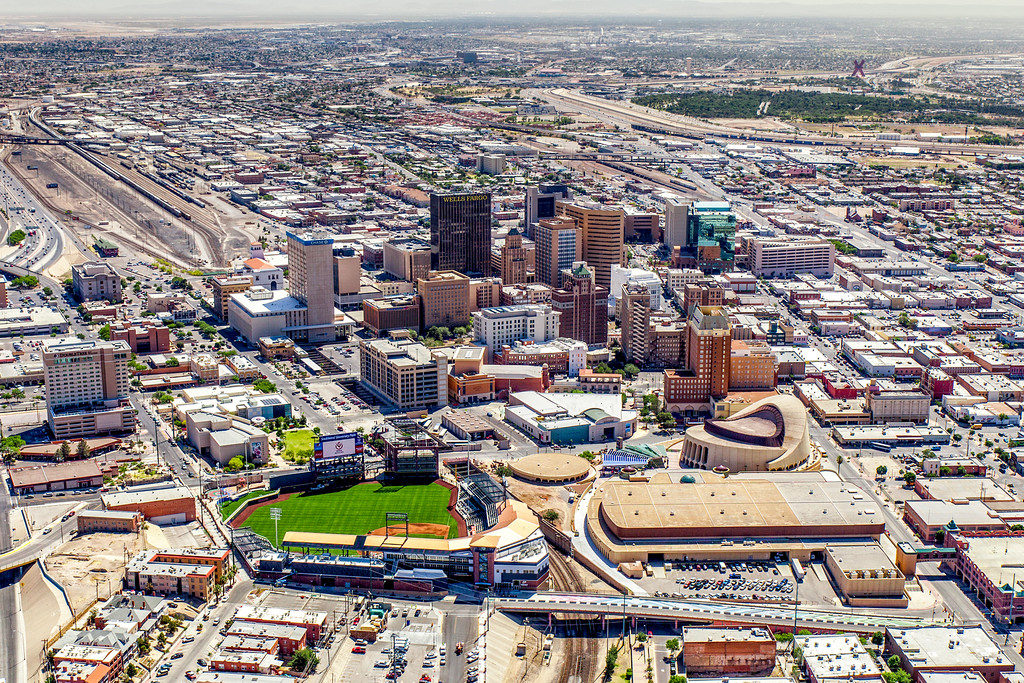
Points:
[(87, 385), (603, 233), (710, 236), (634, 312), (444, 297), (311, 272), (751, 366), (348, 272), (708, 350), (407, 259), (621, 277), (404, 373), (540, 203), (583, 305), (513, 259), (677, 213), (558, 247), (460, 232)]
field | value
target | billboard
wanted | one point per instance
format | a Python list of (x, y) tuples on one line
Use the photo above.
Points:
[(333, 446)]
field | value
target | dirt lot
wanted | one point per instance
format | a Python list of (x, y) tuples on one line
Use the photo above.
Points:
[(87, 562)]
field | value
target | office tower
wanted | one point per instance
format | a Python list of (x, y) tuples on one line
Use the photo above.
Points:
[(677, 213), (392, 313), (311, 282), (460, 232), (642, 226), (540, 203), (484, 292), (707, 372), (407, 259), (95, 281), (583, 305), (710, 236), (404, 373), (513, 259), (558, 247), (602, 231), (634, 312), (444, 297), (87, 386)]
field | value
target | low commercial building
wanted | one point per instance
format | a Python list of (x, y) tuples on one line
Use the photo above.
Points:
[(224, 437), (276, 347), (289, 637), (989, 563), (565, 418), (785, 257), (865, 575), (932, 518), (109, 521), (175, 505), (95, 281), (898, 406), (29, 321), (223, 288), (312, 622), (63, 476), (949, 649), (143, 336), (727, 651), (561, 355), (182, 571), (832, 658)]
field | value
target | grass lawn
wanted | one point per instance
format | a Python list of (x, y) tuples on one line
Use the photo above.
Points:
[(298, 444), (356, 510), (227, 508)]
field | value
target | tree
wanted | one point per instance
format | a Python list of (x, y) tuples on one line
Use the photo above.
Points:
[(161, 638), (881, 470), (83, 450), (142, 643), (894, 663), (104, 333), (63, 451), (235, 464), (877, 638), (641, 637), (131, 670), (940, 536), (265, 385), (672, 644), (909, 478), (304, 660), (610, 660), (173, 362), (631, 370), (550, 515), (677, 678)]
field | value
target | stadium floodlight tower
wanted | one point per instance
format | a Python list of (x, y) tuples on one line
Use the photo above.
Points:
[(275, 514)]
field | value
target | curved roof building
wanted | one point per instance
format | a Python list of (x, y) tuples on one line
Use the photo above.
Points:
[(768, 435)]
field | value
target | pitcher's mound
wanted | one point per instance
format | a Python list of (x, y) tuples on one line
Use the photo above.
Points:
[(415, 529)]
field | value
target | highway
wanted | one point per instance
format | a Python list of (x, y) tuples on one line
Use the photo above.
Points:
[(704, 610), (38, 251)]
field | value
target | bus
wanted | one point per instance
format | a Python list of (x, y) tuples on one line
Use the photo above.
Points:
[(879, 446), (798, 569)]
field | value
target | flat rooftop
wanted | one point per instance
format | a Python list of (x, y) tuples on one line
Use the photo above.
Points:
[(937, 647), (1000, 558)]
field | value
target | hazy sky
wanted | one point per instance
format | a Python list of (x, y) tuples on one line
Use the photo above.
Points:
[(415, 9)]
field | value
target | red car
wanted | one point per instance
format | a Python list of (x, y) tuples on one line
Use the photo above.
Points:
[(424, 678), (359, 650)]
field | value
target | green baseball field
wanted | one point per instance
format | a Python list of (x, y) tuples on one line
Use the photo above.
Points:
[(357, 510)]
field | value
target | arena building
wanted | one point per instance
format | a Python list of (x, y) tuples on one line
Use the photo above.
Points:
[(770, 434), (751, 517)]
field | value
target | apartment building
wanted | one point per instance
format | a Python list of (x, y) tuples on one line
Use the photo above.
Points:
[(87, 386), (181, 571), (95, 281), (496, 327), (404, 373), (791, 255), (444, 299)]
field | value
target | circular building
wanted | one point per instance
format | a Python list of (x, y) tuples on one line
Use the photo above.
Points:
[(550, 468), (768, 435)]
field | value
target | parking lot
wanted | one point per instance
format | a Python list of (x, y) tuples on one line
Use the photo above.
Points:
[(761, 581)]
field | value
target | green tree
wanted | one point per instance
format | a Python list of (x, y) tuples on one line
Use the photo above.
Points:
[(304, 660), (104, 333), (940, 536), (610, 660), (672, 645), (63, 451), (550, 515), (677, 678), (142, 643), (881, 470), (132, 670), (877, 638), (235, 464), (82, 451), (909, 477), (265, 385)]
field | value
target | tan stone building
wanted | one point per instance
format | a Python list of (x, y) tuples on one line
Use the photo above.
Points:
[(87, 386), (404, 373), (407, 259), (445, 299), (223, 287), (311, 273), (602, 231)]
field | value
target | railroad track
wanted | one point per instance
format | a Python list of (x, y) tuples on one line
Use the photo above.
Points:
[(579, 662)]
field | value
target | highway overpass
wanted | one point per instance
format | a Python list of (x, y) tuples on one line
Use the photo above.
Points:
[(583, 605)]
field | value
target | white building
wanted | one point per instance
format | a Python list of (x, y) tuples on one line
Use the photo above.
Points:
[(495, 327), (785, 257), (635, 276)]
